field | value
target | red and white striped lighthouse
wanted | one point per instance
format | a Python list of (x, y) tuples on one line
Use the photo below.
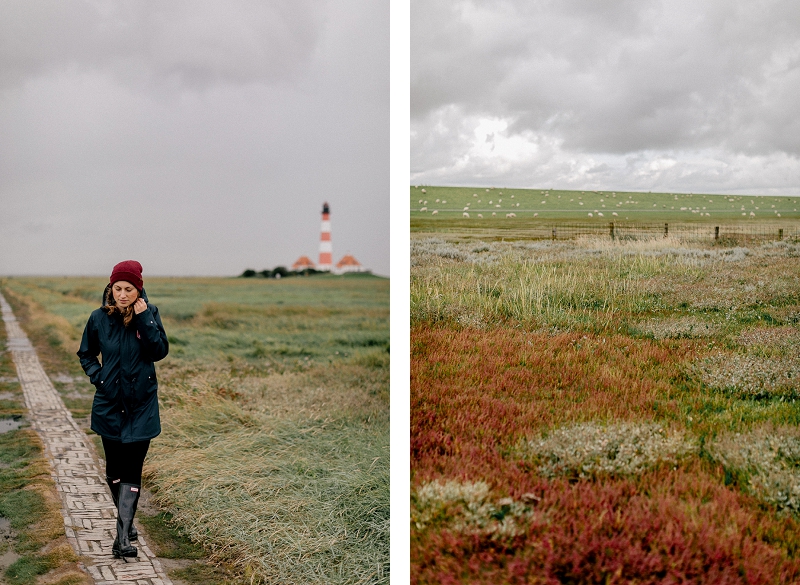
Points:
[(325, 250)]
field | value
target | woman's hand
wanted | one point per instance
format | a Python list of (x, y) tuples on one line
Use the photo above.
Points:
[(139, 306)]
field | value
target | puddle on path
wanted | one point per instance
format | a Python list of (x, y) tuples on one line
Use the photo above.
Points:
[(10, 424)]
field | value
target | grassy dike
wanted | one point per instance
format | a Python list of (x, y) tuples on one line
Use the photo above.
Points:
[(274, 455), (451, 203)]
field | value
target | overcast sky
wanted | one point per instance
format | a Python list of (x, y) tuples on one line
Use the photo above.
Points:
[(199, 137), (669, 95)]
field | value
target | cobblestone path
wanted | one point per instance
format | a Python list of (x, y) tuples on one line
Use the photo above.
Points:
[(89, 513)]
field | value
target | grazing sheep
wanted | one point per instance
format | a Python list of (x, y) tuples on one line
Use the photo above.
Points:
[(480, 215), (466, 208), (424, 191), (465, 214), (590, 214), (614, 213), (434, 212), (535, 215), (493, 214), (424, 209), (474, 194), (511, 215)]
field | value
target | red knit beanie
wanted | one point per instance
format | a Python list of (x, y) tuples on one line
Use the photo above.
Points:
[(129, 271)]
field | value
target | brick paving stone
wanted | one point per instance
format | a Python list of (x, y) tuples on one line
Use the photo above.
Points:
[(87, 508)]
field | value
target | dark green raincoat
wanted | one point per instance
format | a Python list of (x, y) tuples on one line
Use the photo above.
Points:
[(125, 406)]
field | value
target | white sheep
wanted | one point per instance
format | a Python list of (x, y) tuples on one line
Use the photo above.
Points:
[(493, 214), (466, 208), (465, 214), (480, 215), (424, 209), (424, 191), (535, 215), (511, 215), (590, 214), (434, 212)]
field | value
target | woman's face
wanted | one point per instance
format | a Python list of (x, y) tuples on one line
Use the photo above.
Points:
[(125, 293)]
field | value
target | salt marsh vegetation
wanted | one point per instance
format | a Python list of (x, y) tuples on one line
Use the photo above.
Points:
[(594, 392)]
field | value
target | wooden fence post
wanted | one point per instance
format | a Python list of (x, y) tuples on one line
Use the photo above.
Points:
[(780, 234), (612, 229), (666, 230), (716, 233)]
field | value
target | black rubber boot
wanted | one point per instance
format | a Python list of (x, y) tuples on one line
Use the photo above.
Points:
[(113, 485), (128, 498)]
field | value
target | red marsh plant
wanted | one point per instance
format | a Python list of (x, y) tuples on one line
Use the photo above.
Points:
[(664, 526), (476, 394)]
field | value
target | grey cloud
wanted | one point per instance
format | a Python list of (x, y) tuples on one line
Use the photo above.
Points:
[(207, 132), (612, 76), (188, 43)]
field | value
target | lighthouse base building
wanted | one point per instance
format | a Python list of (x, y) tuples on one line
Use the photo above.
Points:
[(349, 264)]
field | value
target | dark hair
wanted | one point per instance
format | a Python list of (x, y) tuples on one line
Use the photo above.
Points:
[(110, 306)]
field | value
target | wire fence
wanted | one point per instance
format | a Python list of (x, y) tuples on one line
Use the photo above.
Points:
[(722, 232), (541, 230)]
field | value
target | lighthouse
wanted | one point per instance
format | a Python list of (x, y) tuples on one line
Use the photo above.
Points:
[(325, 250)]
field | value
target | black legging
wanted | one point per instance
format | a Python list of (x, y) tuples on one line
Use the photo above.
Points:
[(124, 461)]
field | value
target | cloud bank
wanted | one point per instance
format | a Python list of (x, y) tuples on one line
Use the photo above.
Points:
[(607, 94)]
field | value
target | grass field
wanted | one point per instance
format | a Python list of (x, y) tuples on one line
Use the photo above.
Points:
[(598, 411), (599, 206), (275, 449)]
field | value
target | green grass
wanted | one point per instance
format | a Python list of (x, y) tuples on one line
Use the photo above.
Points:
[(274, 398), (563, 205)]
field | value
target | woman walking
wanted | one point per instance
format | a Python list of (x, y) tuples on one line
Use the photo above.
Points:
[(127, 331)]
